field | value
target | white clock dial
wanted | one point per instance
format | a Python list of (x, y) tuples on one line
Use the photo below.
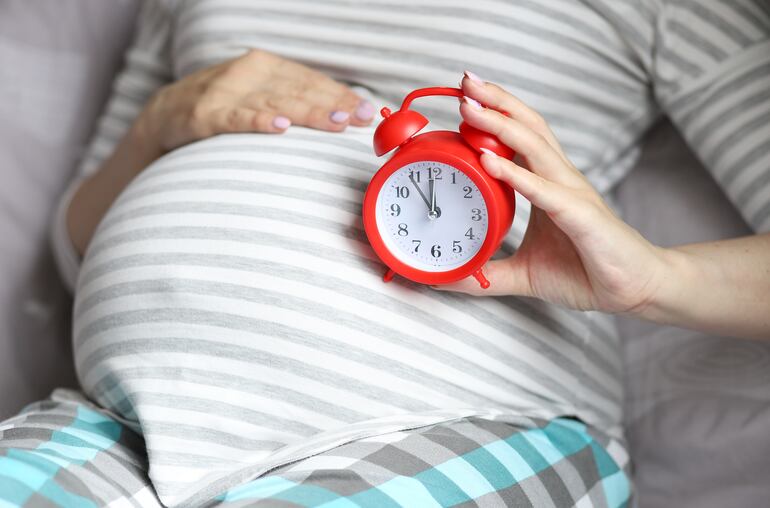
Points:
[(431, 231)]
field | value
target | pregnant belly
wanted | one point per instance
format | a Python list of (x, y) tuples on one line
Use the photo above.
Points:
[(230, 299)]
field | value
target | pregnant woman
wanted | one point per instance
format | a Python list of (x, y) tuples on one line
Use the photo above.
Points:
[(233, 337)]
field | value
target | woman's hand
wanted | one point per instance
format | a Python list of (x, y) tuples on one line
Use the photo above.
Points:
[(257, 92), (576, 251)]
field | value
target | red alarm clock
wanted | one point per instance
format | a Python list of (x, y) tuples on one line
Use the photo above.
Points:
[(432, 213)]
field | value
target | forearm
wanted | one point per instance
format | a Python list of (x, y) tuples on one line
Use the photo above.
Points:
[(718, 287), (96, 193)]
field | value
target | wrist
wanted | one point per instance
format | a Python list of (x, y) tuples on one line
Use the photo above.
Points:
[(143, 138), (676, 273)]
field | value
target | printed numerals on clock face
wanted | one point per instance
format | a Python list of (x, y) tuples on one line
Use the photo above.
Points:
[(431, 216)]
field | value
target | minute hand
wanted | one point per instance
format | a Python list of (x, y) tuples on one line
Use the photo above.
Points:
[(422, 194), (432, 190), (433, 210)]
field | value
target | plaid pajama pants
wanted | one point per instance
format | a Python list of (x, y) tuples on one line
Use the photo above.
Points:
[(68, 453)]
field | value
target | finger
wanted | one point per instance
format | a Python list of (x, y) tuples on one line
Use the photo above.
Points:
[(573, 210), (497, 98), (363, 114), (316, 114), (549, 196), (242, 119), (539, 155), (299, 81), (361, 111), (542, 193), (341, 99), (506, 277)]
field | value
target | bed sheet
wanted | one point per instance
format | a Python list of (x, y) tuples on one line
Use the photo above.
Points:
[(57, 60), (697, 406)]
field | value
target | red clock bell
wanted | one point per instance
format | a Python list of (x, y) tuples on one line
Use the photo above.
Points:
[(432, 213)]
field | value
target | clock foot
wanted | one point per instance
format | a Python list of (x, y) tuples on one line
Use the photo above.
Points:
[(483, 281), (388, 276)]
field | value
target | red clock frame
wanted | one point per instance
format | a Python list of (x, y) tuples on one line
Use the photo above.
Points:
[(449, 148)]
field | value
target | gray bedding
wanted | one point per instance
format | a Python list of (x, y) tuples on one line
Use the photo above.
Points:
[(697, 407), (56, 62)]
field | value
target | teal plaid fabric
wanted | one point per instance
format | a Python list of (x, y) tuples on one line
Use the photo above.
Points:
[(469, 462), (68, 453)]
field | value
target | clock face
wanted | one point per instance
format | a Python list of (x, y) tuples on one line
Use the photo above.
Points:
[(431, 216)]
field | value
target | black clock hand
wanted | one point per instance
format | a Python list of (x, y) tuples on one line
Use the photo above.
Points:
[(432, 214), (422, 194)]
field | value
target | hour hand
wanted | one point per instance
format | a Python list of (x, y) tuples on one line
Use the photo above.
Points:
[(422, 194)]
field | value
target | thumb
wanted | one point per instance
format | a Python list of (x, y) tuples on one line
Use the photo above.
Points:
[(506, 277)]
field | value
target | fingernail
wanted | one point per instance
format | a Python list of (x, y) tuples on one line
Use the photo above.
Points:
[(339, 116), (365, 111), (472, 102), (488, 152), (491, 165), (473, 77), (281, 122)]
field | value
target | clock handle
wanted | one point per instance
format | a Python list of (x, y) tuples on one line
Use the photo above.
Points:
[(476, 138), (433, 90), (483, 281)]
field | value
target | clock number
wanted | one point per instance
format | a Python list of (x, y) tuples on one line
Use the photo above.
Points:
[(416, 247), (456, 247), (469, 234), (437, 174), (415, 175), (454, 179), (402, 192), (402, 231), (467, 191), (395, 210), (435, 251), (476, 214)]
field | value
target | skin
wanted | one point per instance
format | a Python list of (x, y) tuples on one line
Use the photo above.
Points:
[(577, 253), (245, 94)]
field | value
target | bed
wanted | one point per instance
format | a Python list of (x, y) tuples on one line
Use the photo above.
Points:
[(698, 407)]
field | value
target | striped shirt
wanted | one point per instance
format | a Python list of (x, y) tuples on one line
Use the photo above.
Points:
[(229, 306)]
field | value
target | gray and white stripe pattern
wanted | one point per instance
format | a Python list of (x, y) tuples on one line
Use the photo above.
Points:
[(717, 91), (238, 295), (229, 306)]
